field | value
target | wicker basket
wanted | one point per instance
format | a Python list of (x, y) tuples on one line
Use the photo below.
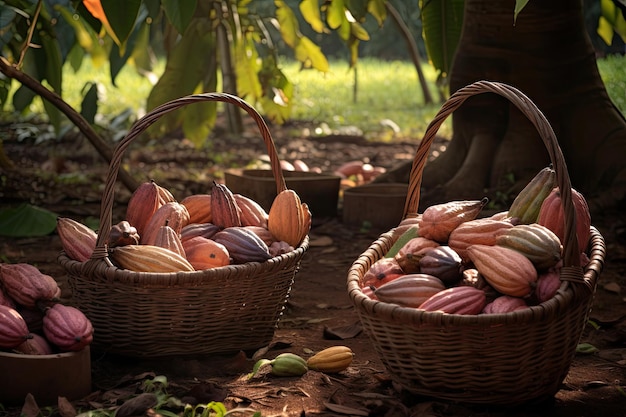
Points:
[(502, 359), (219, 310)]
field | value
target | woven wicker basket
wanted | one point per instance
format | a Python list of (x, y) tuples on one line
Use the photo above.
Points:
[(502, 359), (219, 310)]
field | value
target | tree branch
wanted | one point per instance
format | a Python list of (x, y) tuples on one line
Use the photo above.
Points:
[(101, 146)]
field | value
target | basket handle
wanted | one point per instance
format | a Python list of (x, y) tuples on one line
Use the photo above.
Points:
[(106, 209), (571, 254)]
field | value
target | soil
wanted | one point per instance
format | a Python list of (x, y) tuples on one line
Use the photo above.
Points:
[(66, 177)]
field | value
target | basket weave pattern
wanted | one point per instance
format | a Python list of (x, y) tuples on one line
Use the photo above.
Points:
[(504, 359), (218, 310)]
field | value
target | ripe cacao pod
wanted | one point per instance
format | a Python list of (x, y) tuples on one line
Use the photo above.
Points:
[(289, 219), (224, 207), (263, 234), (506, 270), (199, 208), (442, 262), (143, 203), (168, 238), (198, 229), (381, 272), (13, 328), (173, 214), (5, 299), (548, 284), (243, 245), (252, 214), (476, 232), (456, 300), (122, 234), (331, 360), (536, 242), (409, 255), (27, 285), (277, 248), (205, 253), (439, 220), (67, 328), (37, 345), (409, 290), (552, 216), (78, 241), (149, 258), (505, 304)]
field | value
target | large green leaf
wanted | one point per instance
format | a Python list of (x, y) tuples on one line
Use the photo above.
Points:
[(335, 14), (442, 22), (247, 70), (179, 12), (288, 24), (519, 5), (377, 9), (611, 21), (89, 105), (119, 57), (27, 220), (122, 15), (311, 55), (310, 11)]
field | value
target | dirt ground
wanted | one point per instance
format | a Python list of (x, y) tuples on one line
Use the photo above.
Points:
[(319, 313)]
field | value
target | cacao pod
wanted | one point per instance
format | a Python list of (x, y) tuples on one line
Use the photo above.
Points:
[(548, 284), (143, 203), (205, 253), (331, 360), (27, 285), (439, 220), (409, 290), (381, 272), (198, 229), (409, 255), (289, 219), (443, 263), (252, 214), (456, 300), (67, 328), (199, 208), (122, 234), (528, 202), (289, 364), (506, 270), (78, 241), (168, 238), (505, 304), (536, 242), (224, 207), (173, 214), (278, 248), (476, 232), (13, 328), (149, 258), (243, 245), (37, 345)]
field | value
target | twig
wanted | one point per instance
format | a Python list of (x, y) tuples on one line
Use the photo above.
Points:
[(79, 121), (29, 38)]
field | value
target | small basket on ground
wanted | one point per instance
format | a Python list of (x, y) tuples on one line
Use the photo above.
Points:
[(501, 359), (218, 310)]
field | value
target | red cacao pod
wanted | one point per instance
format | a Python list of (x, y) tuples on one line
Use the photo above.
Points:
[(67, 328), (13, 328), (27, 285)]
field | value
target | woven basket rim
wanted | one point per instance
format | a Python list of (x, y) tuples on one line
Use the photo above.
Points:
[(577, 285)]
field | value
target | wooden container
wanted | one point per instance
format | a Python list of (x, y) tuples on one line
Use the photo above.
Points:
[(380, 206), (319, 191), (46, 377)]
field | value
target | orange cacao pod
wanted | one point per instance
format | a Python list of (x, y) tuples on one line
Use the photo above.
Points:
[(174, 214), (199, 208), (252, 214), (205, 253), (439, 220), (552, 216), (456, 300), (13, 329), (226, 211), (506, 270), (67, 328), (78, 241), (168, 238), (289, 219), (27, 285), (475, 232), (409, 290)]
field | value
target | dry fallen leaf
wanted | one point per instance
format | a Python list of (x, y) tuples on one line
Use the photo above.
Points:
[(342, 409), (66, 409), (30, 408)]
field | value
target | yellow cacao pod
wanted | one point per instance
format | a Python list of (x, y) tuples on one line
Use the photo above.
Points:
[(289, 219), (149, 258), (331, 360)]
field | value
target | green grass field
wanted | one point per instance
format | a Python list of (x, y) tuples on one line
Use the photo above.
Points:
[(387, 95)]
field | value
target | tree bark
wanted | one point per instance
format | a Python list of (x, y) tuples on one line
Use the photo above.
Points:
[(547, 55)]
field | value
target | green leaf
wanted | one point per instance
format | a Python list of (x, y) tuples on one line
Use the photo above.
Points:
[(247, 70), (179, 12), (611, 21), (311, 55), (310, 11), (122, 15), (336, 14), (377, 9), (441, 23), (412, 232), (605, 30), (519, 5), (586, 348), (27, 220), (288, 24), (89, 105), (359, 31), (119, 57), (5, 87)]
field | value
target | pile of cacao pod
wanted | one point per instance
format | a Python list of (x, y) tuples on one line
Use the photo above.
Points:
[(203, 231), (331, 360), (32, 320), (448, 259)]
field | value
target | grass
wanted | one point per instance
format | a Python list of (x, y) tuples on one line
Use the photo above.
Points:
[(387, 95)]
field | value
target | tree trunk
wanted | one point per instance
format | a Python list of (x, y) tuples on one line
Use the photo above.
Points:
[(546, 54)]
